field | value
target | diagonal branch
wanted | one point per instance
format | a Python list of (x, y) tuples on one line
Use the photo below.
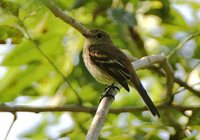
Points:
[(11, 126), (182, 44), (138, 40), (185, 85), (178, 81), (68, 19), (26, 33), (100, 116)]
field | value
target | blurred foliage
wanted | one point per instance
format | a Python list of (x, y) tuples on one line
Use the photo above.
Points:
[(161, 24)]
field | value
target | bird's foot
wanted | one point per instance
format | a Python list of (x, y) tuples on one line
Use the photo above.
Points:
[(107, 92), (107, 89)]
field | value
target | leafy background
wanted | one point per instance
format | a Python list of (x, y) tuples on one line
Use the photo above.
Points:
[(27, 78)]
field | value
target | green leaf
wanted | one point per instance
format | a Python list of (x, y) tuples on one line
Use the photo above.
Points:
[(9, 32), (22, 54), (17, 81), (195, 119), (26, 52), (11, 7), (77, 4), (120, 16), (197, 50)]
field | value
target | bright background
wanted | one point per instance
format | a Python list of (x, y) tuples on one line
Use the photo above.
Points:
[(26, 77)]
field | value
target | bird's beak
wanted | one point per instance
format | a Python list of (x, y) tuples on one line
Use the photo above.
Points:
[(87, 35)]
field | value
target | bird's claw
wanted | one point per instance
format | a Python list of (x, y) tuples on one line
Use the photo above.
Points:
[(106, 93)]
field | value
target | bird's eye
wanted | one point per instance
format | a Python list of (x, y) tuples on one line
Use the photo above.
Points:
[(99, 35)]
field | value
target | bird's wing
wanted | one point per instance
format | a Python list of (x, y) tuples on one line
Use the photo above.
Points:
[(110, 63)]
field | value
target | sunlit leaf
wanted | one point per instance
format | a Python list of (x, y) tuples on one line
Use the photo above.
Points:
[(23, 53), (9, 32)]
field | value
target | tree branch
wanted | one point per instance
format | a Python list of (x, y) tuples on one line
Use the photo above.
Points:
[(148, 61), (182, 44), (69, 20), (138, 40), (176, 79), (89, 109), (185, 85), (23, 108), (100, 116)]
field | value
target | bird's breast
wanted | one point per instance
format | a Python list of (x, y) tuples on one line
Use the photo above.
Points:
[(94, 70)]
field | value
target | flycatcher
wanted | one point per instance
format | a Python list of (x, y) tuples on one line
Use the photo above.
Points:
[(108, 65)]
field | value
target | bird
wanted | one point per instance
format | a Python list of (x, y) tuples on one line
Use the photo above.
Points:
[(109, 65)]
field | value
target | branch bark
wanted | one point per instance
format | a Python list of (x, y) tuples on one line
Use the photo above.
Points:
[(65, 17), (100, 116), (89, 109), (138, 40), (176, 79), (148, 61)]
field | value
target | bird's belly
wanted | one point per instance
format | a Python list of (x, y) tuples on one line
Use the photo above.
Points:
[(97, 73)]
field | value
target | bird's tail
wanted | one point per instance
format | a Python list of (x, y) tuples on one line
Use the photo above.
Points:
[(138, 85)]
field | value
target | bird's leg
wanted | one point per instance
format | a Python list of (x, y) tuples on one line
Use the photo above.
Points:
[(107, 90), (111, 86)]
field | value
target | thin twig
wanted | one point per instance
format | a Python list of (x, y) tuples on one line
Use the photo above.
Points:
[(182, 89), (25, 31), (177, 80), (13, 121), (182, 44), (185, 85)]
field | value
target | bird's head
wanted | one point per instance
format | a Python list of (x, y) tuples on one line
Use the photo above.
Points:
[(96, 36)]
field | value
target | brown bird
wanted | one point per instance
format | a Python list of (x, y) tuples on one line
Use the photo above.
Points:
[(108, 65)]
